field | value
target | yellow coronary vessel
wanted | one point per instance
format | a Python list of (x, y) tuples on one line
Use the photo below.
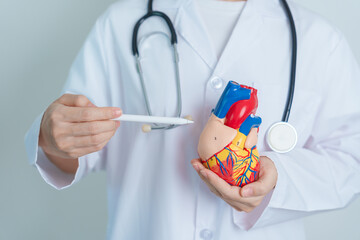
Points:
[(235, 164)]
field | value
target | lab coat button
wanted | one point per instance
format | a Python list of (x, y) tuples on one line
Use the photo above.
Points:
[(217, 83), (206, 234)]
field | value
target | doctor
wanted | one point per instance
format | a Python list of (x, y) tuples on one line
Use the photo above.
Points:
[(153, 192)]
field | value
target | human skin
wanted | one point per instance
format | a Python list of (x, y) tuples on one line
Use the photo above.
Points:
[(243, 199), (72, 127)]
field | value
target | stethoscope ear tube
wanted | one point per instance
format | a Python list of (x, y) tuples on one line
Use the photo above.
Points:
[(151, 13), (291, 91), (135, 50)]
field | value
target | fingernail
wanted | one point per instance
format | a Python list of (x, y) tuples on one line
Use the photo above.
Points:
[(117, 112), (196, 166), (247, 192), (203, 173)]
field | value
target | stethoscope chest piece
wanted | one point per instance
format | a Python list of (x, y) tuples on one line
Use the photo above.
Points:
[(281, 137)]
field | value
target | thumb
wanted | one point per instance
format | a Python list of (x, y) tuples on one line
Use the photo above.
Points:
[(266, 182)]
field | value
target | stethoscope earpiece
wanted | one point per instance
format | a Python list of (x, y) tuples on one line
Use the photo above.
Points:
[(281, 137)]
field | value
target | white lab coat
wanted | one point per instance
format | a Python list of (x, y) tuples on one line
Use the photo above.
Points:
[(153, 192)]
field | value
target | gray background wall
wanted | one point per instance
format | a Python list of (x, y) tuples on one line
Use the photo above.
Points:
[(38, 42)]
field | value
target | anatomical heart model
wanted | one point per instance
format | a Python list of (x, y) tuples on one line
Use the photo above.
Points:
[(227, 145)]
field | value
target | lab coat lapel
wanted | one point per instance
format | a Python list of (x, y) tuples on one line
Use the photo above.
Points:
[(246, 32), (191, 28)]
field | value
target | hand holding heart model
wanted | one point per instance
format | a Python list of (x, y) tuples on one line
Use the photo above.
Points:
[(227, 145)]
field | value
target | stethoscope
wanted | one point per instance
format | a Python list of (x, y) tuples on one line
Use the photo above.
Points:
[(281, 136)]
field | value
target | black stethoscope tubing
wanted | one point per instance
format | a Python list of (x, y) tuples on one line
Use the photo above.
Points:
[(291, 90), (290, 97), (149, 14)]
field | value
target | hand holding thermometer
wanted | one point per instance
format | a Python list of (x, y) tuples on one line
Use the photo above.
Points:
[(153, 119)]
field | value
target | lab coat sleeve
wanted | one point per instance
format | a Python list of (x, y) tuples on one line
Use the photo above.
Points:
[(87, 77), (325, 173)]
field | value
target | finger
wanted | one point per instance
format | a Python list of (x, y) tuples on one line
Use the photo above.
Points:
[(238, 206), (212, 189), (250, 202), (92, 140), (197, 165), (226, 190), (93, 128), (75, 100), (233, 198), (215, 182), (265, 183), (88, 114), (79, 152)]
